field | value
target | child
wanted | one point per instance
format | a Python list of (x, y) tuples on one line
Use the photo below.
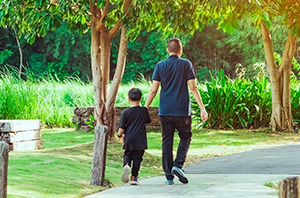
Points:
[(132, 123)]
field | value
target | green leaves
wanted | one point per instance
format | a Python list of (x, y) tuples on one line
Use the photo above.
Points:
[(266, 19), (4, 55), (229, 26), (236, 103), (34, 18)]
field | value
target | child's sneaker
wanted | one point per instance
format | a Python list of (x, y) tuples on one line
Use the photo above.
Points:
[(133, 180), (125, 175)]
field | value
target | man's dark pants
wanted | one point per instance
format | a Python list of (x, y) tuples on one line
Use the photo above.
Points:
[(168, 125), (136, 156)]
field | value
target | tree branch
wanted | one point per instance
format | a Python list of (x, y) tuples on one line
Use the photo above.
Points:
[(88, 24), (20, 50), (92, 8), (116, 28), (105, 9), (269, 53), (289, 49)]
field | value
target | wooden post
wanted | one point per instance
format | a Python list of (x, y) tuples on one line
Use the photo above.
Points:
[(289, 188), (5, 127), (3, 168), (99, 155)]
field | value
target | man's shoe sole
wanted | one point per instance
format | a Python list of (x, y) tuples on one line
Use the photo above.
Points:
[(125, 175), (181, 177)]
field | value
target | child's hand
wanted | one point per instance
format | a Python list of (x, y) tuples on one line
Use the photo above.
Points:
[(121, 139)]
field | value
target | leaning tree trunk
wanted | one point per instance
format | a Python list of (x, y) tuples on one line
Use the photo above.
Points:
[(110, 103), (281, 118)]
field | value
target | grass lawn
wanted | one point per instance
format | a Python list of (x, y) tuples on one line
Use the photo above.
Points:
[(63, 168)]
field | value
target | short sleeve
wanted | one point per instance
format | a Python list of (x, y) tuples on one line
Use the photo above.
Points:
[(148, 119), (190, 71), (123, 120), (156, 75)]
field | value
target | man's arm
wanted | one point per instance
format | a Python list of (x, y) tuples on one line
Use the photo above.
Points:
[(152, 93), (196, 94)]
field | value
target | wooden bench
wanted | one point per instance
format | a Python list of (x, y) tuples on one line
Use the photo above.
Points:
[(22, 135)]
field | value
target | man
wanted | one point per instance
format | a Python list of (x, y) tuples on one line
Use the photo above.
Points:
[(174, 75)]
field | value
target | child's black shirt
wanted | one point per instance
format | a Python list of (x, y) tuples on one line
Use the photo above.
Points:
[(133, 121)]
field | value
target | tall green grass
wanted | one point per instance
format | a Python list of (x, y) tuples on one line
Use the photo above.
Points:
[(237, 103), (143, 85), (52, 100)]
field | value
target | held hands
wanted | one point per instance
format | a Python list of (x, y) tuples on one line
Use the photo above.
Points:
[(204, 115), (121, 139)]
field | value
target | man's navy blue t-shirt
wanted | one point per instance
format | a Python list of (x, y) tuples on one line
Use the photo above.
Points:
[(173, 75)]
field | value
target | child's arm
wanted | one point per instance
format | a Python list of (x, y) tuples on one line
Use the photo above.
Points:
[(120, 135)]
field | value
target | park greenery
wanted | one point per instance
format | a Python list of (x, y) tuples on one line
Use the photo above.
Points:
[(233, 103), (136, 16), (245, 76), (64, 54), (59, 85), (61, 169)]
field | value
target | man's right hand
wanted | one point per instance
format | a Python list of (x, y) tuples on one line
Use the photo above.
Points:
[(204, 115)]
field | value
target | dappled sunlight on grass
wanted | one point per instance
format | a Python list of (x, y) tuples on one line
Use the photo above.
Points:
[(64, 170), (210, 143), (57, 138)]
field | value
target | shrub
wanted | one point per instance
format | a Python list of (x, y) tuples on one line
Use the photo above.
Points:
[(235, 103)]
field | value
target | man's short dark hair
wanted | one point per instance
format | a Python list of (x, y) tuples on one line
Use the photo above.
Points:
[(174, 45), (135, 94)]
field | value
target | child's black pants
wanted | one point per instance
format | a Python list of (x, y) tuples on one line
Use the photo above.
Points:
[(136, 156)]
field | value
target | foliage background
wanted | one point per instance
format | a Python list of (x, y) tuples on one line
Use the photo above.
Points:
[(62, 53), (230, 69)]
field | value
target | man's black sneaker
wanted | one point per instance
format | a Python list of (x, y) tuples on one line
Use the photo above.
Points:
[(180, 174)]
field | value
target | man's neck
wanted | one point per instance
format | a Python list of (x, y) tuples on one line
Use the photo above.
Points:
[(174, 54)]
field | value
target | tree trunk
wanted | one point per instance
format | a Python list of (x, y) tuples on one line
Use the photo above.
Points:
[(97, 73), (105, 43), (289, 188), (101, 69), (21, 54), (110, 103), (99, 155), (285, 67), (281, 118)]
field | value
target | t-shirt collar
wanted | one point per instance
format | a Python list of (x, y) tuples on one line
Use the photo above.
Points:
[(173, 56)]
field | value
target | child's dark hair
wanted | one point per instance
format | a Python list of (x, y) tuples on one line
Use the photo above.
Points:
[(135, 94)]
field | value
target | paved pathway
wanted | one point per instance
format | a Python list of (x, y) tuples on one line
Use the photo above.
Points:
[(275, 160), (239, 175)]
